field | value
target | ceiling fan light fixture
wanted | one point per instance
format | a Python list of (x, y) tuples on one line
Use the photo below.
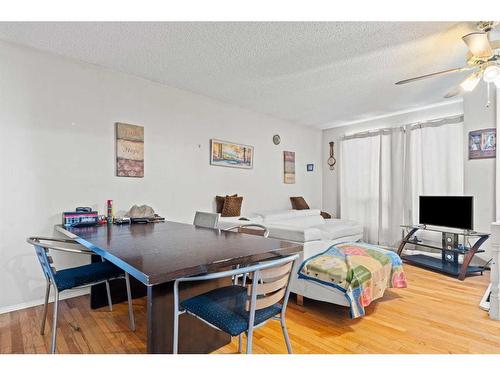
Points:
[(470, 83), (478, 44), (491, 73)]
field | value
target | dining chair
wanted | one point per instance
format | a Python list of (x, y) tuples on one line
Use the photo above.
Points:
[(206, 219), (265, 231), (238, 309), (73, 278)]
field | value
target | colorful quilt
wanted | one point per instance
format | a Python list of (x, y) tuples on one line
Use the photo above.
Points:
[(360, 270)]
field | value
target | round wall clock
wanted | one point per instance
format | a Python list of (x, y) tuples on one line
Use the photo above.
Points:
[(276, 139)]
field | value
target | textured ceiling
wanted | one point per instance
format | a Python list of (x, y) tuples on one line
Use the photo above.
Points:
[(315, 74)]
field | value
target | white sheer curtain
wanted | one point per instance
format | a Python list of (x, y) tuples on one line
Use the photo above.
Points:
[(435, 163), (359, 183), (392, 187), (383, 173), (371, 184)]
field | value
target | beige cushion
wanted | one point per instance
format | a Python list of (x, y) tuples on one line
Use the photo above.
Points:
[(232, 206), (219, 202)]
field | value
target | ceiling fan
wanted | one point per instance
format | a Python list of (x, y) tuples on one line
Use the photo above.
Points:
[(483, 60)]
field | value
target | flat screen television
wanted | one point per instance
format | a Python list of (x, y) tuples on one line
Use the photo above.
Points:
[(447, 211)]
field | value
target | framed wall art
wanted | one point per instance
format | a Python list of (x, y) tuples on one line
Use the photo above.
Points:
[(129, 150), (228, 154), (289, 167), (482, 144)]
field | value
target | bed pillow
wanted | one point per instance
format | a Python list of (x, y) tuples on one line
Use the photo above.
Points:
[(232, 206), (219, 202), (299, 203), (325, 215)]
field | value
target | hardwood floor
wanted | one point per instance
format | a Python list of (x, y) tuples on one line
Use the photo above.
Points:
[(435, 314)]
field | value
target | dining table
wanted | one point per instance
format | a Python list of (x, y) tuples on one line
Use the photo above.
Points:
[(156, 254)]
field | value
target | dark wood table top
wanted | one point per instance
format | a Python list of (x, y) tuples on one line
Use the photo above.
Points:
[(162, 252)]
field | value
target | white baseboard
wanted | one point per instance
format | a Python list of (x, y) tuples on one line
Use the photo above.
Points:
[(37, 302)]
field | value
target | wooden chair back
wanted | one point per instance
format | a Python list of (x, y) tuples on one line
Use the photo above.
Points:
[(269, 285)]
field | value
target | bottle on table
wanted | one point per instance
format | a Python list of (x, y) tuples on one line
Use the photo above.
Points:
[(109, 206)]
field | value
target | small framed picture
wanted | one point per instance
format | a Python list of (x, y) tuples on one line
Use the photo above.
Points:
[(310, 167), (482, 144)]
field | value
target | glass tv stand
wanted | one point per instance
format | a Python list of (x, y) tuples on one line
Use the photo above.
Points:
[(450, 250)]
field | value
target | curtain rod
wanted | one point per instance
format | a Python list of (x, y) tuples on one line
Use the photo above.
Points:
[(414, 125)]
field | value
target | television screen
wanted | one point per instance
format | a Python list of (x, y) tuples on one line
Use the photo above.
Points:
[(447, 211)]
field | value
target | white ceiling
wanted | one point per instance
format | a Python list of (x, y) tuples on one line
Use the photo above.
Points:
[(315, 74)]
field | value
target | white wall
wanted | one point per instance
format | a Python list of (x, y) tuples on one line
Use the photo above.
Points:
[(480, 174), (57, 152), (331, 196), (497, 170)]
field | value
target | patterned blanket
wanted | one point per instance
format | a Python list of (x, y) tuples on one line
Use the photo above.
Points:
[(360, 270)]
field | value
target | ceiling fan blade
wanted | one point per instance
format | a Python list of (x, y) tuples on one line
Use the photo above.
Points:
[(467, 84), (471, 81), (457, 90), (454, 70), (479, 44)]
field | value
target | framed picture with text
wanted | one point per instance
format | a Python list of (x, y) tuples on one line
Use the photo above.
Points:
[(129, 150), (289, 167)]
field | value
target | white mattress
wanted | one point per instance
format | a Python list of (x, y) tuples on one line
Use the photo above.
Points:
[(293, 233), (337, 228)]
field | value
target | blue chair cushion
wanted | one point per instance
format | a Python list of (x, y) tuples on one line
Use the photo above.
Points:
[(225, 309), (90, 273)]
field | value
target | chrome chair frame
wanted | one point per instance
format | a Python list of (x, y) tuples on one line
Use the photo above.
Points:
[(253, 270), (211, 218), (264, 228), (265, 234), (49, 271)]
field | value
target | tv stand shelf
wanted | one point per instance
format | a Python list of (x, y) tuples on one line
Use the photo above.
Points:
[(448, 262), (437, 264), (423, 244)]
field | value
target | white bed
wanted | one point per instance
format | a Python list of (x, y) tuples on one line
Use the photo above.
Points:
[(315, 233), (311, 289)]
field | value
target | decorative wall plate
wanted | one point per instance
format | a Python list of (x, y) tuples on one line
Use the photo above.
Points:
[(276, 139)]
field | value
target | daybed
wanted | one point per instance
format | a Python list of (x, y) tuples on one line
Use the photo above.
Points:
[(301, 225)]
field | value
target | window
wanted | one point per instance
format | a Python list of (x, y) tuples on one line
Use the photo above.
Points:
[(383, 173)]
